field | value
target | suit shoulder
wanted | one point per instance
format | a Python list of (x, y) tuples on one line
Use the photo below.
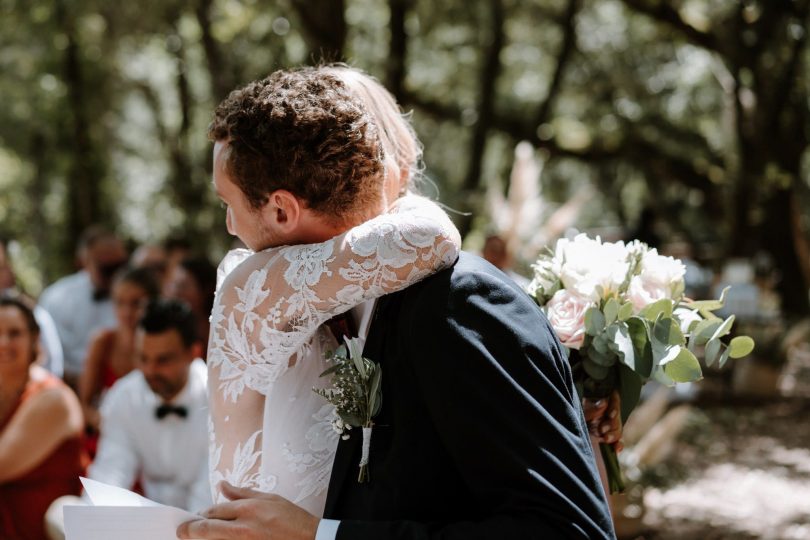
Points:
[(470, 275)]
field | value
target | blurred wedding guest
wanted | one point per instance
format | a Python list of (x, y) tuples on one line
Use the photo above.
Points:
[(154, 421), (80, 303), (50, 348), (177, 248), (154, 258), (193, 280), (40, 429), (111, 353), (497, 252)]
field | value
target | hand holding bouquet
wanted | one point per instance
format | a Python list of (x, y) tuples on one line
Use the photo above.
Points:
[(620, 310)]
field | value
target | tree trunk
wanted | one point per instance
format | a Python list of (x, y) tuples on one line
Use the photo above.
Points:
[(486, 108), (398, 48), (324, 25), (86, 169), (222, 79)]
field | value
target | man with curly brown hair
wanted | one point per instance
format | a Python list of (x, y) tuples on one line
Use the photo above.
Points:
[(300, 151), (481, 433)]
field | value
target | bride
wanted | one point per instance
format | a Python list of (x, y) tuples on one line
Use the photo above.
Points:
[(269, 430)]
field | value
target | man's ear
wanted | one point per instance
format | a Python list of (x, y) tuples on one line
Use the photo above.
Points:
[(282, 211)]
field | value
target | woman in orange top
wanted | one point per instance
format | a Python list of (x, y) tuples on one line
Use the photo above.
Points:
[(40, 429)]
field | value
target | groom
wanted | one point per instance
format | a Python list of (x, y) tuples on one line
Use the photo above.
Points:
[(481, 434)]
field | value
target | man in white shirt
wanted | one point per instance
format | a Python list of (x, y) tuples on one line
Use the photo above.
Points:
[(80, 303), (154, 424)]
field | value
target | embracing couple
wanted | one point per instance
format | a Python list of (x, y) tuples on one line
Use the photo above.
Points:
[(480, 434)]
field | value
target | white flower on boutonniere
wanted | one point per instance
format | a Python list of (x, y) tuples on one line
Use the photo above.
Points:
[(355, 393)]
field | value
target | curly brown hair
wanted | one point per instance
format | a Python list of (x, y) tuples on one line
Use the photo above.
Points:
[(304, 131)]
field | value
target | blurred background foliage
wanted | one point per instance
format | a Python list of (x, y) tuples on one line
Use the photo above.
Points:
[(694, 112)]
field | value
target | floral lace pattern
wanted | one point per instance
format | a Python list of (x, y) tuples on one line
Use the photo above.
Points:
[(269, 430)]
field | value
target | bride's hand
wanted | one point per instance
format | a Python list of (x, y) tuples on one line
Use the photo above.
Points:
[(252, 515)]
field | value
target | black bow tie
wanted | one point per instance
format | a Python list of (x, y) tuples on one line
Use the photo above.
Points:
[(166, 409)]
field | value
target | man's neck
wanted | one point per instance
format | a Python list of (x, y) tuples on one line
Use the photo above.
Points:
[(314, 228)]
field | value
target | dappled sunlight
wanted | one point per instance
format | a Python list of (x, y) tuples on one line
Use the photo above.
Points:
[(764, 503)]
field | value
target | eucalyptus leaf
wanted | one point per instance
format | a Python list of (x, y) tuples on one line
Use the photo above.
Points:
[(630, 384), (638, 331), (626, 311), (625, 345), (601, 343), (594, 321), (710, 305), (684, 367), (711, 352), (611, 311), (724, 328), (740, 346), (724, 357), (704, 330), (661, 307), (668, 331), (605, 359), (594, 370)]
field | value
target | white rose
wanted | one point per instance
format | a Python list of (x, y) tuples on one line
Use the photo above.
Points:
[(641, 293), (659, 272), (588, 264), (566, 313)]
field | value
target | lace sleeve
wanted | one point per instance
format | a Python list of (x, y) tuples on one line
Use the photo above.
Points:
[(270, 303)]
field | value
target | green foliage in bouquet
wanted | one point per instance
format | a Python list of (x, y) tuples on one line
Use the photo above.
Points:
[(621, 311)]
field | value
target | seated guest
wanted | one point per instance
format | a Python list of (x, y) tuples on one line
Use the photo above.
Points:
[(111, 353), (50, 348), (194, 281), (154, 421), (154, 258), (40, 429), (80, 303)]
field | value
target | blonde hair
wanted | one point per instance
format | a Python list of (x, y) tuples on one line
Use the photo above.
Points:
[(403, 151)]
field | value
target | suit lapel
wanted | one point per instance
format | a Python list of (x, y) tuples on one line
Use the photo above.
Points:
[(347, 458)]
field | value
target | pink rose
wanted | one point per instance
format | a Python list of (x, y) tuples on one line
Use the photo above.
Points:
[(566, 313)]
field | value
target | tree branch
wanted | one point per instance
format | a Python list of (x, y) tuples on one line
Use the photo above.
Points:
[(668, 15), (566, 50)]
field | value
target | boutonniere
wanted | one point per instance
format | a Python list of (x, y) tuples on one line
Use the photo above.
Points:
[(355, 393)]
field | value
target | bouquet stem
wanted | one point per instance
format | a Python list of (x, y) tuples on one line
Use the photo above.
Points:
[(612, 467)]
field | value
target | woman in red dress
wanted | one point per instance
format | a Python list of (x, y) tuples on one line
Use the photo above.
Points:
[(40, 429), (111, 353)]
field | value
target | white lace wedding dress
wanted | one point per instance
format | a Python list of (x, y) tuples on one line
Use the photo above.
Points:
[(269, 430)]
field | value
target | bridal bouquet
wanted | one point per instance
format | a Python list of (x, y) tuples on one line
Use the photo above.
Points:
[(621, 312)]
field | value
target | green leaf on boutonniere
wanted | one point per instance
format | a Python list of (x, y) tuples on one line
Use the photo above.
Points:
[(638, 331)]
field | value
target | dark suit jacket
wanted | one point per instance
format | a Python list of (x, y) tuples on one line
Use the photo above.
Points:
[(481, 433)]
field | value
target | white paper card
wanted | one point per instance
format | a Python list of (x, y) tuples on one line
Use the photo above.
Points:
[(120, 514)]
